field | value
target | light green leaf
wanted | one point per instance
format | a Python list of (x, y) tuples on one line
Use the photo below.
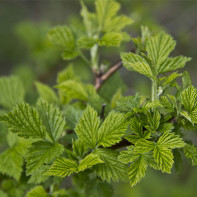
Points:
[(190, 152), (42, 152), (87, 127), (164, 158), (188, 98), (12, 91), (170, 140), (137, 170), (169, 79), (3, 194), (62, 37), (73, 90), (39, 176), (106, 10), (88, 19), (111, 39), (186, 115), (89, 161), (52, 119), (153, 120), (173, 63), (86, 42), (66, 74), (186, 80), (135, 62), (159, 47), (128, 156), (111, 169), (169, 102), (112, 129), (37, 191), (25, 121), (143, 146), (151, 104), (62, 167), (46, 93), (116, 97), (11, 163)]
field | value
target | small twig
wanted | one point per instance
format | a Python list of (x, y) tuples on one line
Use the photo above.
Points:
[(102, 111), (100, 80)]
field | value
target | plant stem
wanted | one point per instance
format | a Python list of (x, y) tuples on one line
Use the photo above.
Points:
[(94, 57), (154, 90)]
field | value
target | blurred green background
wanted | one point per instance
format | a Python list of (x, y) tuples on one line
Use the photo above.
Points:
[(25, 51)]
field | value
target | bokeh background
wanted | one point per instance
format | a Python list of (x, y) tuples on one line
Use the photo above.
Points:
[(25, 51)]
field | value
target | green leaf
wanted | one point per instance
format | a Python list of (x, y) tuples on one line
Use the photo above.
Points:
[(79, 147), (116, 97), (112, 129), (42, 152), (169, 79), (186, 80), (153, 120), (170, 140), (73, 90), (66, 74), (188, 98), (88, 19), (52, 119), (62, 167), (128, 156), (11, 163), (111, 169), (39, 176), (87, 127), (96, 188), (37, 191), (159, 47), (111, 39), (89, 161), (135, 62), (137, 170), (169, 102), (106, 11), (164, 158), (143, 146), (12, 91), (25, 121), (46, 93), (86, 42), (3, 194), (62, 37), (173, 63), (190, 152)]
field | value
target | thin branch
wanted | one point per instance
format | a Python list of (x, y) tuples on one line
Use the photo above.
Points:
[(101, 79)]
